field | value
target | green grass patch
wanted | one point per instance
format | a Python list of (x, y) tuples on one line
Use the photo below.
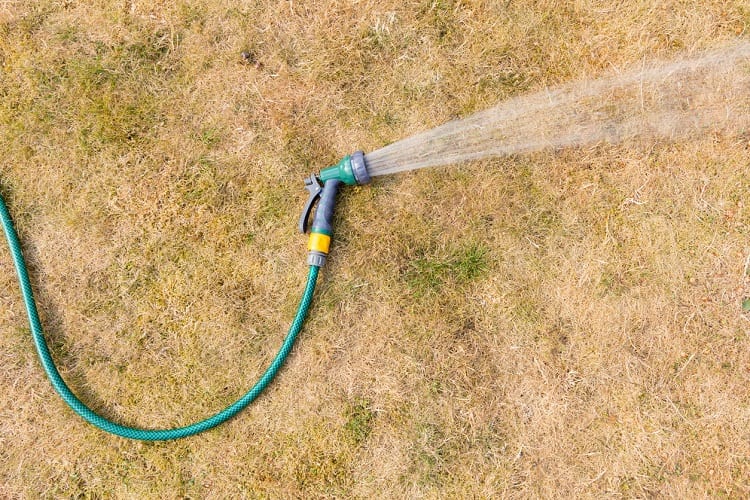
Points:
[(359, 421), (430, 453), (431, 273), (440, 17), (210, 136)]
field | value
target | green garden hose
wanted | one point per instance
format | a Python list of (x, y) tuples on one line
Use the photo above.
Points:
[(131, 432)]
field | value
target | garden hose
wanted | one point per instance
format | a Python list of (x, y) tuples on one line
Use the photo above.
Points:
[(351, 170)]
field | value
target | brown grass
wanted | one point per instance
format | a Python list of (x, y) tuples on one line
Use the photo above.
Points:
[(560, 324)]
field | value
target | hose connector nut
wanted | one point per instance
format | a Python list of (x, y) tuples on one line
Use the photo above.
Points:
[(317, 259)]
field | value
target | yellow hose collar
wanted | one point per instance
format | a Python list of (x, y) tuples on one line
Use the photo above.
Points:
[(319, 242)]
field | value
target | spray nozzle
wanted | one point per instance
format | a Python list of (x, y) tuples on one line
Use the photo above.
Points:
[(350, 170), (322, 188)]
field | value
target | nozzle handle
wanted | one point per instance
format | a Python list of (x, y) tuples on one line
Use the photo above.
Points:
[(322, 226), (323, 218)]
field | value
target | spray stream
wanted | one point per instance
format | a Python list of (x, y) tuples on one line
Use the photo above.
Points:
[(710, 92)]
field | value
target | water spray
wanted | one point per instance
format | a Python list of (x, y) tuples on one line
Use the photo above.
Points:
[(675, 100)]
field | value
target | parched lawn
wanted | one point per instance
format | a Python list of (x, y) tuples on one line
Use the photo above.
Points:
[(559, 324)]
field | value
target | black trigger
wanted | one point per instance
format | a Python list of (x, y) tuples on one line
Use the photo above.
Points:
[(312, 184)]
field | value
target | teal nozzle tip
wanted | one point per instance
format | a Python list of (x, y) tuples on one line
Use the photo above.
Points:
[(350, 170)]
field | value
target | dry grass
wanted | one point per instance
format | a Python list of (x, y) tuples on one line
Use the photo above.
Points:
[(557, 325)]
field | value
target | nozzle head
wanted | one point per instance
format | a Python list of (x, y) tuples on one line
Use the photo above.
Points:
[(359, 168), (350, 170)]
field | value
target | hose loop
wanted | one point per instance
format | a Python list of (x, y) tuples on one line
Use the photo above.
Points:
[(132, 432)]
